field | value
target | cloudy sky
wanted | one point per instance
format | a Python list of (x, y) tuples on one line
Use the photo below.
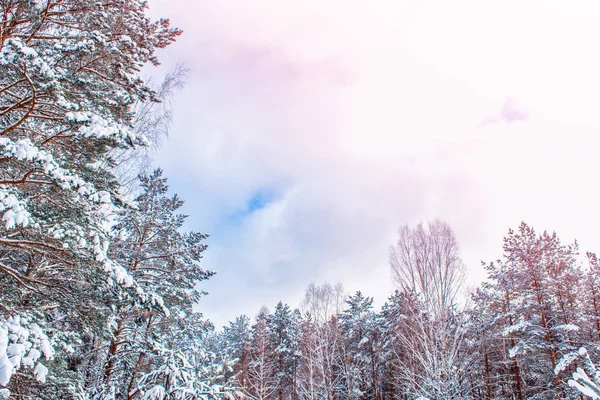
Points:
[(310, 130)]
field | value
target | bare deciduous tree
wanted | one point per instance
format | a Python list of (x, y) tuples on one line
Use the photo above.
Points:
[(431, 357), (425, 260), (152, 120), (425, 263), (323, 302), (321, 342)]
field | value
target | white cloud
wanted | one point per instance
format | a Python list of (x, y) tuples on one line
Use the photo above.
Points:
[(360, 117)]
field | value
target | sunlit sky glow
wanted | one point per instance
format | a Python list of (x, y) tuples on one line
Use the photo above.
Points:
[(310, 130)]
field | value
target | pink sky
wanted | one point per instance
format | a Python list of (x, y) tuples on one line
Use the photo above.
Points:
[(358, 117)]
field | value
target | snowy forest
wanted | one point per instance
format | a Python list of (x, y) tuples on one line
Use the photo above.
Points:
[(99, 279)]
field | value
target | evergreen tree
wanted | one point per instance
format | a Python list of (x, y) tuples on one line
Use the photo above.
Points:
[(590, 304), (533, 306), (165, 263), (262, 378), (284, 330), (360, 364), (69, 77), (238, 338)]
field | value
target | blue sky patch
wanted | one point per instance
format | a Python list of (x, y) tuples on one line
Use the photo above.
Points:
[(258, 201)]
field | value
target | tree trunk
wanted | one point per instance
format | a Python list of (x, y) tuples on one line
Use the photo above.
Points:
[(112, 352)]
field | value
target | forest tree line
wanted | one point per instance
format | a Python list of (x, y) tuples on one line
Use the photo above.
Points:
[(520, 335), (98, 277)]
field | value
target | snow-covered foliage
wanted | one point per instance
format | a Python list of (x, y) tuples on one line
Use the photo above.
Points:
[(98, 288), (582, 382), (22, 345), (360, 347), (531, 306), (69, 77), (96, 293), (518, 339), (153, 328)]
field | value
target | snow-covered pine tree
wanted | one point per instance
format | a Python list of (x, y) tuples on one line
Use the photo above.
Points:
[(263, 380), (360, 364), (586, 379), (165, 262), (590, 305), (69, 75), (284, 335), (532, 300), (491, 376), (496, 302), (237, 341), (207, 350)]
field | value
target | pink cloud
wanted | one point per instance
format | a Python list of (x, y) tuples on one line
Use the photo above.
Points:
[(271, 65), (509, 112), (489, 120)]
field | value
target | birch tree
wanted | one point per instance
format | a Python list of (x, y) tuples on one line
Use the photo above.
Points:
[(426, 261)]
